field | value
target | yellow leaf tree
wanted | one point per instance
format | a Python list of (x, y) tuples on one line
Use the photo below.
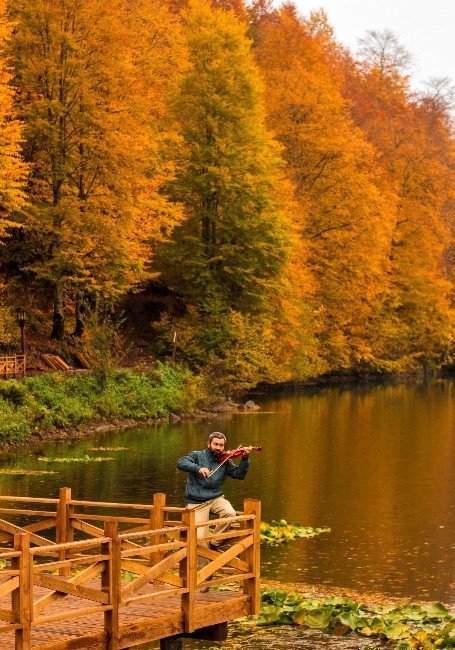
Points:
[(91, 88), (333, 169), (13, 171), (414, 142)]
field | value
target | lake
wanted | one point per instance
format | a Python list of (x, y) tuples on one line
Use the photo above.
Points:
[(373, 463)]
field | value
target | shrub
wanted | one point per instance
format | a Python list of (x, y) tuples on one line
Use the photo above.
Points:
[(64, 405), (58, 401), (233, 350), (103, 341), (14, 424), (14, 391), (178, 389)]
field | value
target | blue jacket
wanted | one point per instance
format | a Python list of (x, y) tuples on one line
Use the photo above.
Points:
[(198, 488)]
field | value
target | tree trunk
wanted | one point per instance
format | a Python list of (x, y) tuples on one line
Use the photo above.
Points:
[(58, 326), (206, 235), (79, 310)]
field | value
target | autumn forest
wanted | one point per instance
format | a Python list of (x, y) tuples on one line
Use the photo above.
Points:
[(294, 201)]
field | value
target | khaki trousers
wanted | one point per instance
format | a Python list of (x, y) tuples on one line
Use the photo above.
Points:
[(219, 507)]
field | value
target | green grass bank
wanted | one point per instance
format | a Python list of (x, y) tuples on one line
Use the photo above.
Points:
[(60, 401)]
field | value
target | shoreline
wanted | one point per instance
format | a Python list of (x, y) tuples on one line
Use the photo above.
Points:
[(73, 433), (214, 409), (91, 429)]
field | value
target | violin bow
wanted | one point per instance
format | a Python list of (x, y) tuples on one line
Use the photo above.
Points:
[(227, 458)]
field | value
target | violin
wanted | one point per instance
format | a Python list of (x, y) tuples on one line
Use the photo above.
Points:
[(235, 453)]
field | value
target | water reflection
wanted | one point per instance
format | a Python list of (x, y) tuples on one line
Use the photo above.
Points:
[(281, 638), (372, 463)]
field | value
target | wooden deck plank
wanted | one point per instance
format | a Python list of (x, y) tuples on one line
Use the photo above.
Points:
[(139, 622)]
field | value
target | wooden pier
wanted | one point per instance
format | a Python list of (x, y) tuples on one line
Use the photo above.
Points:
[(111, 575)]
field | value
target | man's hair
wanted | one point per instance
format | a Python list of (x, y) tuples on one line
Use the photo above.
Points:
[(216, 434)]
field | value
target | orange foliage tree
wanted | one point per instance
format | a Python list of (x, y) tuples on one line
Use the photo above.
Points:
[(414, 147), (333, 169), (13, 171), (90, 91)]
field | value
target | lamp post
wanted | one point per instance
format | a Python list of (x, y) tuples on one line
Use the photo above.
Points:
[(174, 345), (21, 321)]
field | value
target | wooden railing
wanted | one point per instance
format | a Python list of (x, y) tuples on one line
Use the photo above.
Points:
[(13, 366), (142, 553)]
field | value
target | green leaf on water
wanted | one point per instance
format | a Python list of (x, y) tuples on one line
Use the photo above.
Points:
[(129, 576), (317, 618), (82, 459), (274, 596), (353, 620), (340, 600), (412, 625), (108, 448), (281, 531), (397, 631), (24, 472), (435, 610), (269, 615)]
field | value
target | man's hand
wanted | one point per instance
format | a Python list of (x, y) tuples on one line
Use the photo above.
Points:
[(205, 472), (247, 450)]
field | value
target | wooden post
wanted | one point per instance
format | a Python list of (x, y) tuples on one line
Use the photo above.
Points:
[(251, 587), (157, 522), (188, 569), (69, 514), (22, 596), (111, 584), (64, 532)]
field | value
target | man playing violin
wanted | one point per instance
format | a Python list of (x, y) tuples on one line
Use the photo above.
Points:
[(207, 472)]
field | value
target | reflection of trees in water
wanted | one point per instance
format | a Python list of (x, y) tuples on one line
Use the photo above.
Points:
[(286, 637)]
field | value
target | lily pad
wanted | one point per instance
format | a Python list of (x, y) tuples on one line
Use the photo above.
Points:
[(282, 531), (24, 472), (317, 619), (108, 448), (83, 459), (413, 626)]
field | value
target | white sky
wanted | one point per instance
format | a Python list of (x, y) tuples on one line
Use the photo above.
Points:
[(425, 27)]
